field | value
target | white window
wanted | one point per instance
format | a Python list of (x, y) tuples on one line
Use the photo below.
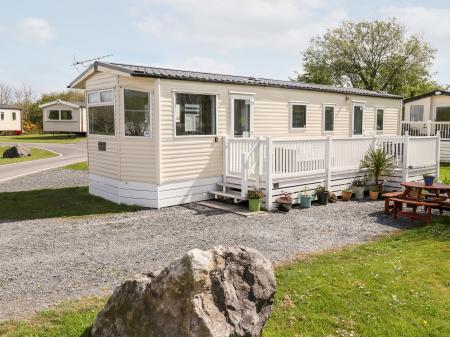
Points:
[(443, 114), (101, 112), (416, 113), (65, 115), (328, 115), (380, 119), (53, 115), (58, 115), (298, 116), (2, 116), (137, 113), (13, 116), (195, 114)]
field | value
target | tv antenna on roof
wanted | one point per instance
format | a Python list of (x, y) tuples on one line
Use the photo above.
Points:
[(85, 63)]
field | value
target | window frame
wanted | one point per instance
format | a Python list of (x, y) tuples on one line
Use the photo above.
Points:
[(291, 115), (363, 106), (423, 112), (113, 104), (2, 115), (59, 116), (14, 115), (241, 96), (376, 118), (435, 108), (174, 112), (150, 103), (324, 106)]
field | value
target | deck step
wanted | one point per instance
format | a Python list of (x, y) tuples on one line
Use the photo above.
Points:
[(230, 185), (229, 195)]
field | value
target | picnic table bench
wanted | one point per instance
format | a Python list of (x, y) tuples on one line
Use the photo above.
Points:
[(413, 215)]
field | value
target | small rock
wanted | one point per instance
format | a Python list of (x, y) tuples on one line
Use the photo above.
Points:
[(222, 292), (17, 151)]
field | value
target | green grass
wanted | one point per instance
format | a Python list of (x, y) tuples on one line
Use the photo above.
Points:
[(396, 286), (35, 154), (51, 203), (83, 166), (42, 138), (444, 171)]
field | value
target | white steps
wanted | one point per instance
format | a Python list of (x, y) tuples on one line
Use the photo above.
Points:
[(236, 196)]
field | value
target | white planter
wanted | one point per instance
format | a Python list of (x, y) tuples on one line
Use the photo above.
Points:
[(359, 192)]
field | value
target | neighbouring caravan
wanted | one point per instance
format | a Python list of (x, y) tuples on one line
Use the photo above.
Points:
[(10, 118), (161, 137), (62, 116)]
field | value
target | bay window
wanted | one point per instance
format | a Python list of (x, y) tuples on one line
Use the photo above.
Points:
[(101, 112), (195, 114), (137, 113)]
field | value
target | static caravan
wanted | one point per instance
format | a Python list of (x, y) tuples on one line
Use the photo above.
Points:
[(62, 116), (427, 115), (10, 118), (161, 137)]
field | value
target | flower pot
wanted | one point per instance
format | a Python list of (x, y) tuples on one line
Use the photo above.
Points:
[(428, 180), (373, 195), (323, 197), (347, 195), (359, 192), (284, 207), (305, 201), (254, 205)]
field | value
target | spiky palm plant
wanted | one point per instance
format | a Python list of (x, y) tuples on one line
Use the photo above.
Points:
[(378, 163)]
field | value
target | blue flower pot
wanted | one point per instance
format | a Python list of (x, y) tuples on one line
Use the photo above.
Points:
[(428, 180)]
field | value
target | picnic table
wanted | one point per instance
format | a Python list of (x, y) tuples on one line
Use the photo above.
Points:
[(412, 197)]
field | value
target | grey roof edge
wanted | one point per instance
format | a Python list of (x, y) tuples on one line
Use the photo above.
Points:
[(174, 74), (427, 94), (9, 107)]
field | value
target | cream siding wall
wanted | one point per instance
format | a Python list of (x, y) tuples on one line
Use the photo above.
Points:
[(426, 102), (128, 159), (194, 157), (8, 124), (74, 125)]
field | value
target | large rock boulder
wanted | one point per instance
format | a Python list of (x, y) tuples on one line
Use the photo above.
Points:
[(19, 150), (222, 292)]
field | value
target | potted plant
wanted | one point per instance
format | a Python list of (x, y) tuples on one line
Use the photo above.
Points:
[(254, 200), (358, 187), (428, 179), (322, 194), (305, 199), (378, 164), (347, 194), (374, 192), (285, 202)]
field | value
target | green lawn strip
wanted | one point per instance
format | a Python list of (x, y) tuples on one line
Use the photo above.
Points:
[(83, 166), (51, 203), (36, 153), (396, 286), (42, 138), (444, 170)]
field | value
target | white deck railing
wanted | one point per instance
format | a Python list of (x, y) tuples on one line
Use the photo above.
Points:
[(263, 160), (429, 128)]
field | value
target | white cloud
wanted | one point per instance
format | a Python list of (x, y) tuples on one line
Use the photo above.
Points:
[(235, 24), (434, 25), (35, 29), (2, 28)]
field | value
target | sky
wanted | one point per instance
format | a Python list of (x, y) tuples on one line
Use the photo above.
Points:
[(40, 40)]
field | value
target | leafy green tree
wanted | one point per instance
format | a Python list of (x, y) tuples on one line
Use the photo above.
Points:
[(376, 55), (68, 95)]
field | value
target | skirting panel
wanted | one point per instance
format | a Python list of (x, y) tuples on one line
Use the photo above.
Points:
[(152, 195)]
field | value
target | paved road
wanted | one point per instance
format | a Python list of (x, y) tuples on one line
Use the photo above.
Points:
[(70, 154)]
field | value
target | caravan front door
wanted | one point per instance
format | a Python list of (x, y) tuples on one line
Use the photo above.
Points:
[(241, 113)]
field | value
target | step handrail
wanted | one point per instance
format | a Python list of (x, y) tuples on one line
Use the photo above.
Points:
[(245, 167)]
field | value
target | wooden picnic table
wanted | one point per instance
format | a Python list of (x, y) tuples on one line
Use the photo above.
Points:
[(419, 186)]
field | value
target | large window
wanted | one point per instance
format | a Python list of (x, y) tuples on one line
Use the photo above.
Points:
[(329, 118), (56, 115), (298, 116), (443, 114), (66, 114), (416, 113), (53, 114), (380, 119), (101, 112), (195, 114), (137, 113)]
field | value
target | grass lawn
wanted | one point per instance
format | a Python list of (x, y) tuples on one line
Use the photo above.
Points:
[(42, 138), (397, 286), (51, 203), (444, 171), (83, 166), (35, 154)]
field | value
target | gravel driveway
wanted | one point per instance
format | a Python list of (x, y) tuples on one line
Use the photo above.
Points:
[(43, 262)]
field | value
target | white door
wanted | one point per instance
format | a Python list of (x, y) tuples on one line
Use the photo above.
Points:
[(241, 116), (357, 121)]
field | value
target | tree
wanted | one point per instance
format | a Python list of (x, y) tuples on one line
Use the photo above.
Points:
[(6, 94), (68, 95), (376, 56)]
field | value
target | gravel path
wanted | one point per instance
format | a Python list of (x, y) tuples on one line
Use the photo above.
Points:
[(56, 178), (44, 262)]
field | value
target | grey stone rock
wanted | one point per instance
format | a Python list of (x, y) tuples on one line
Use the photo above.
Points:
[(16, 151), (222, 292)]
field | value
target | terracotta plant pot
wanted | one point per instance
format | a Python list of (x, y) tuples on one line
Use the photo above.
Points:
[(347, 195), (373, 195)]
